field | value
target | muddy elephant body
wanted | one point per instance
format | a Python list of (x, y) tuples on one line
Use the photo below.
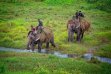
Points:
[(46, 36)]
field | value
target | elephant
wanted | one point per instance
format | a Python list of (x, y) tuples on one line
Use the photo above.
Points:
[(36, 37), (78, 26)]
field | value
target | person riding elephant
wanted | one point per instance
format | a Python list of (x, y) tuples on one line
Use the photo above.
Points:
[(79, 14), (40, 26)]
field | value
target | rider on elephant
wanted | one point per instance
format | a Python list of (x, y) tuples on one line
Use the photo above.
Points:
[(40, 26), (79, 14), (78, 17)]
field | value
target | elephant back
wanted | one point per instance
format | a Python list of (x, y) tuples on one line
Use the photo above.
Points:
[(46, 34), (84, 25)]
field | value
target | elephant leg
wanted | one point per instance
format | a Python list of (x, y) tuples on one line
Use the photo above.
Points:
[(28, 45), (39, 47), (52, 42), (28, 48), (72, 36), (82, 35), (32, 46), (69, 36), (78, 36), (47, 44)]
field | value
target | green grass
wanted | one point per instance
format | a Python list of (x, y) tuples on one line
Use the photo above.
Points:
[(33, 63)]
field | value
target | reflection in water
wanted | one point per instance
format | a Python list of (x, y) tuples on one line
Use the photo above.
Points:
[(86, 56)]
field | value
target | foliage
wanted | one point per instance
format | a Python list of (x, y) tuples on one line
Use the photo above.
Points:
[(102, 4)]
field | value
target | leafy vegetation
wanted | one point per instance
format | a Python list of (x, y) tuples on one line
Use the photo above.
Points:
[(101, 4)]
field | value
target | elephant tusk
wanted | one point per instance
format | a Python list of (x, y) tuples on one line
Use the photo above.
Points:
[(37, 39), (78, 25)]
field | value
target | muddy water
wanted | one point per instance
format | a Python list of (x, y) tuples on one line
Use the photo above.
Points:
[(86, 56)]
